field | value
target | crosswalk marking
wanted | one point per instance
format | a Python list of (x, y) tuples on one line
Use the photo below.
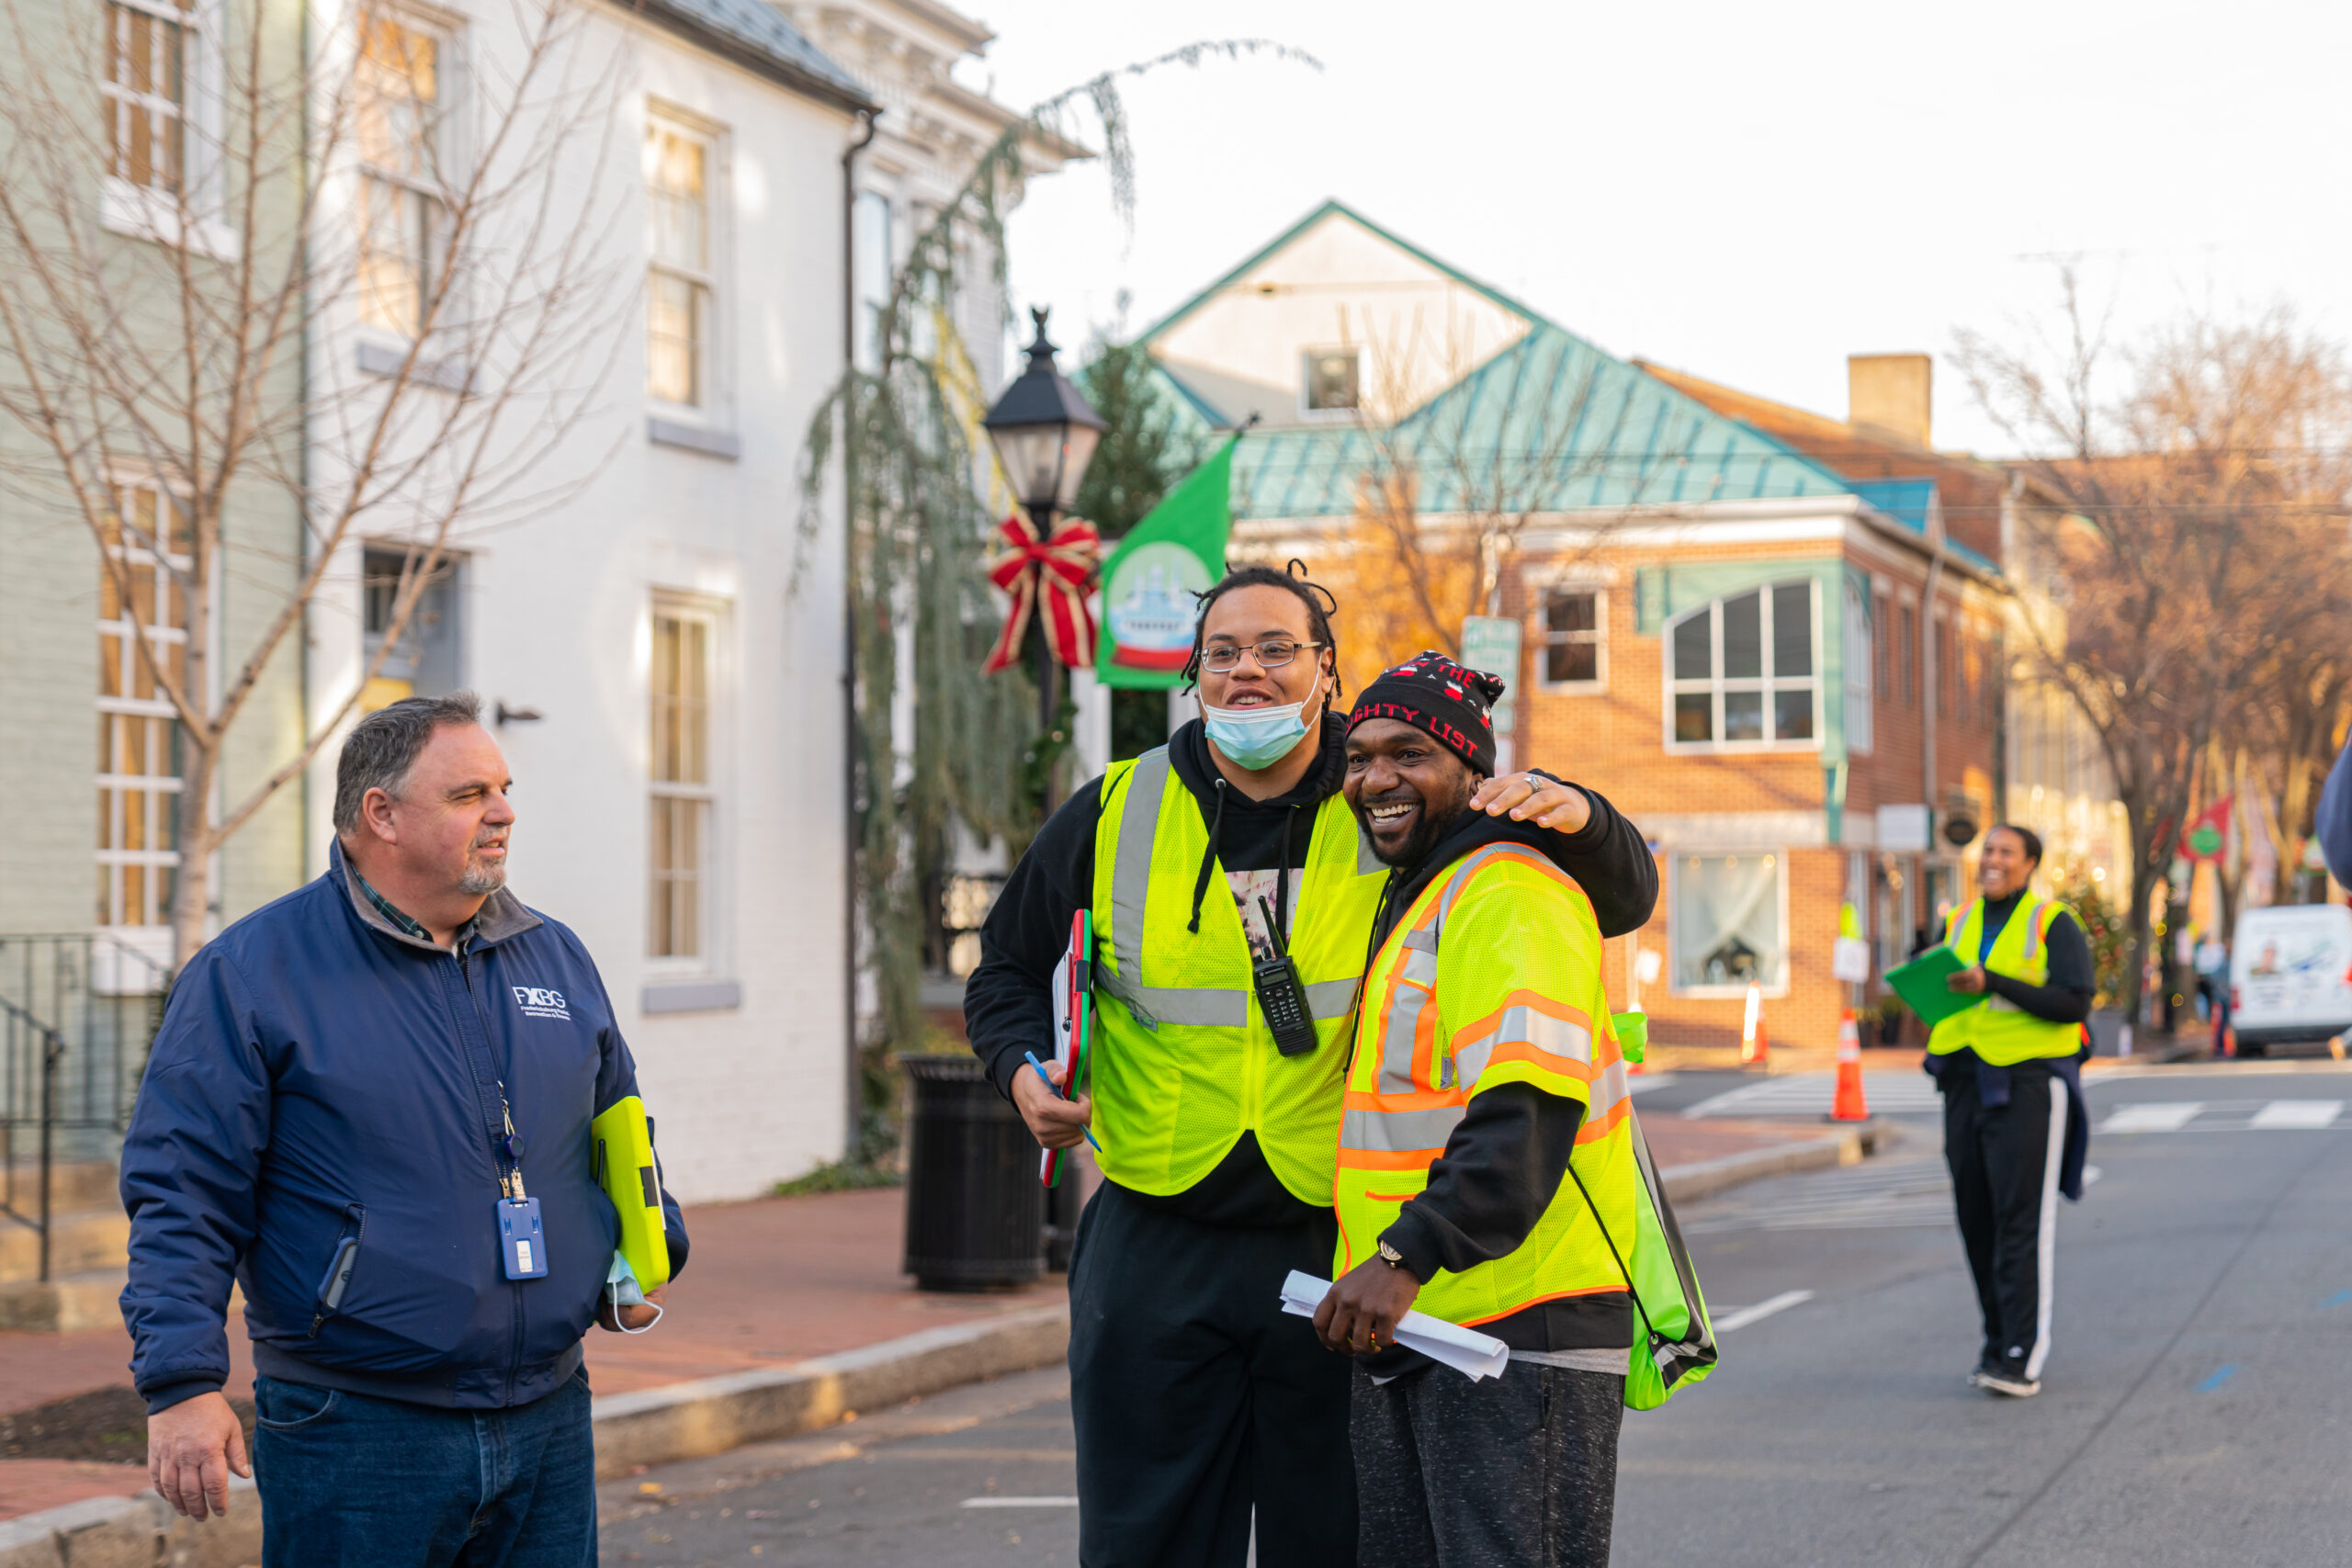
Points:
[(2153, 1116), (2303, 1114), (1872, 1196), (1740, 1317), (1809, 1094)]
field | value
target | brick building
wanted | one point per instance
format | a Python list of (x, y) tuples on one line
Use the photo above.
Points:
[(1753, 653)]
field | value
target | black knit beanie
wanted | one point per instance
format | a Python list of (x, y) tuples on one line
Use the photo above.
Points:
[(1451, 704)]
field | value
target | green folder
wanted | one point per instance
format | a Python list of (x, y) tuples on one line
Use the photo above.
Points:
[(1921, 983)]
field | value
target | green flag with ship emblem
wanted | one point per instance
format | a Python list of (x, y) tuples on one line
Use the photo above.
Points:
[(1151, 583)]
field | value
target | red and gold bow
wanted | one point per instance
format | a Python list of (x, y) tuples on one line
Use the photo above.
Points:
[(1065, 565)]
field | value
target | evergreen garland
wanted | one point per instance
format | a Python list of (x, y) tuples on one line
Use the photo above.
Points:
[(913, 466)]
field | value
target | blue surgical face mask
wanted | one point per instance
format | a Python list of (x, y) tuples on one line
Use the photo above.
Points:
[(1258, 737)]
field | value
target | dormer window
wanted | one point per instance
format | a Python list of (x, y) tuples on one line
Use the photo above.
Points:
[(1331, 380)]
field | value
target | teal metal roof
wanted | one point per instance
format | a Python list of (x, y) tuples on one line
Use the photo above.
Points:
[(1549, 424)]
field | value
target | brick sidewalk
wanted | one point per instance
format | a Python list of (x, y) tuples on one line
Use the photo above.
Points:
[(769, 1282)]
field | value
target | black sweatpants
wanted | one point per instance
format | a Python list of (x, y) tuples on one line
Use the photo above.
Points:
[(1196, 1395), (2004, 1163), (1516, 1471)]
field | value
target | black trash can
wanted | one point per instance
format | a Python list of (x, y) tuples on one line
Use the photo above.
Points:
[(976, 1211)]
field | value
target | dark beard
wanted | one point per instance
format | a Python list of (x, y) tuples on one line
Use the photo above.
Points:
[(1437, 819)]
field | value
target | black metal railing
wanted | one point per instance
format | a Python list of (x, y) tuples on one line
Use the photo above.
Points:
[(78, 1011)]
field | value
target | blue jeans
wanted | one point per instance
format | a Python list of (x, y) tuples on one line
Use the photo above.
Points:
[(348, 1480)]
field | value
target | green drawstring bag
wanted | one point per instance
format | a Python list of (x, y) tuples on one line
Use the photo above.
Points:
[(1676, 1346)]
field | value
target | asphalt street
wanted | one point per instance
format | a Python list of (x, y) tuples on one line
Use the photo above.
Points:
[(2197, 1406)]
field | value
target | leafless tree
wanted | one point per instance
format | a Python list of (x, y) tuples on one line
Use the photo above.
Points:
[(1449, 486), (258, 265), (2196, 547)]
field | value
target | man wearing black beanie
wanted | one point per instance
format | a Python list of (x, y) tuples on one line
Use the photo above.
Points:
[(1483, 1029)]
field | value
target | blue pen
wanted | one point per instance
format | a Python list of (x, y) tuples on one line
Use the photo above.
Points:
[(1049, 1084)]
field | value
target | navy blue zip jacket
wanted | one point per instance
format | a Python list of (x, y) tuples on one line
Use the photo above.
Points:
[(319, 1076)]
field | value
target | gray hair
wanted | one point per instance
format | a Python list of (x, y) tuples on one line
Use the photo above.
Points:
[(383, 747)]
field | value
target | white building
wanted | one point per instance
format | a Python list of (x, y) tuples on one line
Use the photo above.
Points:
[(662, 646)]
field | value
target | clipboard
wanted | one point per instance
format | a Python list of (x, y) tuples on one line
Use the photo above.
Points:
[(1073, 1024), (630, 1173), (1920, 984)]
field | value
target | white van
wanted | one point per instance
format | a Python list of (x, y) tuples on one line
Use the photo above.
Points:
[(2290, 974)]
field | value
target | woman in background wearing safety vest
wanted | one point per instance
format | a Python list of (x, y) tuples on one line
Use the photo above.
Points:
[(1224, 873), (2009, 1070)]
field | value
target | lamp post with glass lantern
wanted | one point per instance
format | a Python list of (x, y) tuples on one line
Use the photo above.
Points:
[(1044, 432)]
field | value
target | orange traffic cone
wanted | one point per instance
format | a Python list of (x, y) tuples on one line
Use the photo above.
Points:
[(1849, 1104), (1755, 1050)]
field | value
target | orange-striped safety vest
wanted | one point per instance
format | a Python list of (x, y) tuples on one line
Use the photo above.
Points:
[(1493, 975)]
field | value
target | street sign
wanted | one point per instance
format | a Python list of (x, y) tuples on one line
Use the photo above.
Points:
[(1903, 828), (1850, 960), (1490, 644)]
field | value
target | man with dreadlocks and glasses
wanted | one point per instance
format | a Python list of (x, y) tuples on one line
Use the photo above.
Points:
[(1232, 896)]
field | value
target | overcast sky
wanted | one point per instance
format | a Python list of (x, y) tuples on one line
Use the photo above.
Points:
[(1750, 192)]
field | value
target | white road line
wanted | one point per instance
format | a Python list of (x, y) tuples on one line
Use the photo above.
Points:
[(1746, 1315), (2305, 1113), (1020, 1502), (2152, 1116), (1642, 1083), (1809, 1094)]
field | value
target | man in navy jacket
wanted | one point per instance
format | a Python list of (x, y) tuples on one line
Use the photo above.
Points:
[(351, 1089)]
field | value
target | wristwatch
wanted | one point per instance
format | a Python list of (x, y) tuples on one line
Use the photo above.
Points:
[(1390, 1255)]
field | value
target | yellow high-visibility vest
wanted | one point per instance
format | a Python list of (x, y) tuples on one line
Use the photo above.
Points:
[(1492, 976), (1183, 1061), (1998, 1031)]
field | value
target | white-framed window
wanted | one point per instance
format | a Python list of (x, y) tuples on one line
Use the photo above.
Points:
[(1574, 653), (1727, 922), (1859, 650), (1332, 383), (1744, 672), (400, 99), (877, 258), (681, 288), (149, 49), (680, 786), (138, 740)]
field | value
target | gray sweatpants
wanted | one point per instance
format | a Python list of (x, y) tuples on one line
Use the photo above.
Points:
[(1517, 1470)]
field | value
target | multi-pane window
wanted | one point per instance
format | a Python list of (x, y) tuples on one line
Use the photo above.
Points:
[(1331, 380), (1860, 721), (678, 290), (396, 101), (139, 763), (680, 793), (1743, 670), (1727, 919), (145, 92), (1909, 653), (1574, 628)]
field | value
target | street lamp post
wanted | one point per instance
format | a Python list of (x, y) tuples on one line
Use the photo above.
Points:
[(1043, 431)]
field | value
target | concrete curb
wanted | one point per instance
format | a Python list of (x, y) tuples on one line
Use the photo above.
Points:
[(712, 1415), (134, 1532), (1705, 1178)]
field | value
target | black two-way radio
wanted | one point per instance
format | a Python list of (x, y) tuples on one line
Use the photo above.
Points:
[(1282, 996)]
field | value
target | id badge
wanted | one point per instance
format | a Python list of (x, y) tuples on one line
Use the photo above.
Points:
[(519, 1239)]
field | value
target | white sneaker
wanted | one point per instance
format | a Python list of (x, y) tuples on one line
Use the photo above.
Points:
[(2000, 1379)]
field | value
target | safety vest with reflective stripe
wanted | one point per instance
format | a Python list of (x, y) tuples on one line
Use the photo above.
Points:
[(1183, 1061), (1999, 1031), (1492, 976)]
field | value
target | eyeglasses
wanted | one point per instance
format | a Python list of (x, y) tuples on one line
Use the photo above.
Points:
[(1270, 654)]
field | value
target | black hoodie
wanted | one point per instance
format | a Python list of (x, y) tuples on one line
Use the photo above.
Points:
[(1008, 1004)]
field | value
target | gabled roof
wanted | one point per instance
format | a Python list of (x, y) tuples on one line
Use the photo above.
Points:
[(1550, 423), (757, 36), (1329, 207)]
